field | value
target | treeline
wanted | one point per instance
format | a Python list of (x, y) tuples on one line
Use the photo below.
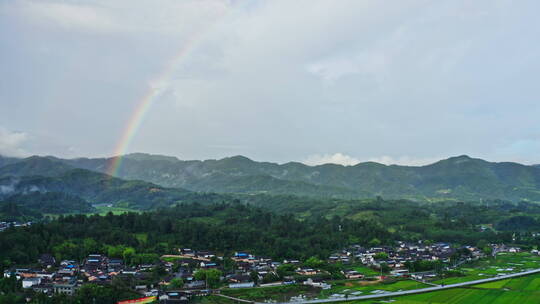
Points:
[(220, 227), (35, 204), (229, 227)]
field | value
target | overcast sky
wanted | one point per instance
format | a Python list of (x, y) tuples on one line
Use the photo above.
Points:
[(339, 81)]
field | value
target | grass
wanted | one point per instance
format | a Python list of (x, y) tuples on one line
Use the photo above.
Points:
[(142, 237), (368, 272), (103, 210), (212, 300)]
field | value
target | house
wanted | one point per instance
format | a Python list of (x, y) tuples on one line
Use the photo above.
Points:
[(44, 275), (514, 249), (205, 254), (208, 265), (317, 283), (67, 288), (239, 278), (195, 285), (306, 271), (353, 274), (29, 282), (241, 285), (175, 297), (400, 272), (95, 263), (130, 271), (47, 260), (43, 288), (187, 252)]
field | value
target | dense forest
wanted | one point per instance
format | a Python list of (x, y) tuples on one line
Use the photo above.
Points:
[(229, 227)]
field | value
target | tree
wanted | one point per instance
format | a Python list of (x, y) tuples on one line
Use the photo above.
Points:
[(211, 276), (374, 242), (384, 268), (254, 277), (381, 256), (270, 277), (128, 255), (285, 270), (487, 250), (176, 283), (314, 262)]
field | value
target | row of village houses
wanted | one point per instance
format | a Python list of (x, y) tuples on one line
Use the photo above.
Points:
[(5, 225), (99, 269)]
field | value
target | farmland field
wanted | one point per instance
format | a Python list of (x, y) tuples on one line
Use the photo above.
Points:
[(103, 209), (358, 288), (368, 272), (522, 290), (505, 263)]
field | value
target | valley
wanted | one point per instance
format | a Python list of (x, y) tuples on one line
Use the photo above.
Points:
[(297, 246)]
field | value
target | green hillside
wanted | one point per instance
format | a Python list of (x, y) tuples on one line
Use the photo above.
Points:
[(35, 165), (94, 187), (456, 178), (461, 178), (34, 204)]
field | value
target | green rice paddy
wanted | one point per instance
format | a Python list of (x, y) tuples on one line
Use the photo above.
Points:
[(522, 290)]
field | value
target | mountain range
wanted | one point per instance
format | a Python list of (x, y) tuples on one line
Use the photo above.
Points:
[(455, 178), (23, 180)]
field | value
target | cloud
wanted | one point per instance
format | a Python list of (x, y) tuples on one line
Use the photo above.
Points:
[(11, 143), (405, 160), (346, 160), (336, 158), (124, 16), (396, 83), (69, 16)]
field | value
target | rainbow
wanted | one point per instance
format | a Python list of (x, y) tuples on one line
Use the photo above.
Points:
[(148, 99)]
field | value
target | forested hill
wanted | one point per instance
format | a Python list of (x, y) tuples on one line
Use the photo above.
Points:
[(459, 178), (229, 227), (33, 205), (44, 175), (462, 177)]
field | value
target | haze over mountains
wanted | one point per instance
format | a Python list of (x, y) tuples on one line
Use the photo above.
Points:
[(455, 178), (29, 181)]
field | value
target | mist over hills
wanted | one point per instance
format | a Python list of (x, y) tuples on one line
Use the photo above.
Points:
[(459, 178), (23, 181)]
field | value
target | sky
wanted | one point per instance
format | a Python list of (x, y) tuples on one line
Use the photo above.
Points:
[(406, 82)]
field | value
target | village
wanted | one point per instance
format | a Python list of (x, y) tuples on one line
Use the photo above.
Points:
[(5, 225), (185, 274)]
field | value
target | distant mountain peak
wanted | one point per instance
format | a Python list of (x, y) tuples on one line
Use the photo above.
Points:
[(147, 156), (461, 159), (370, 164), (238, 158)]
